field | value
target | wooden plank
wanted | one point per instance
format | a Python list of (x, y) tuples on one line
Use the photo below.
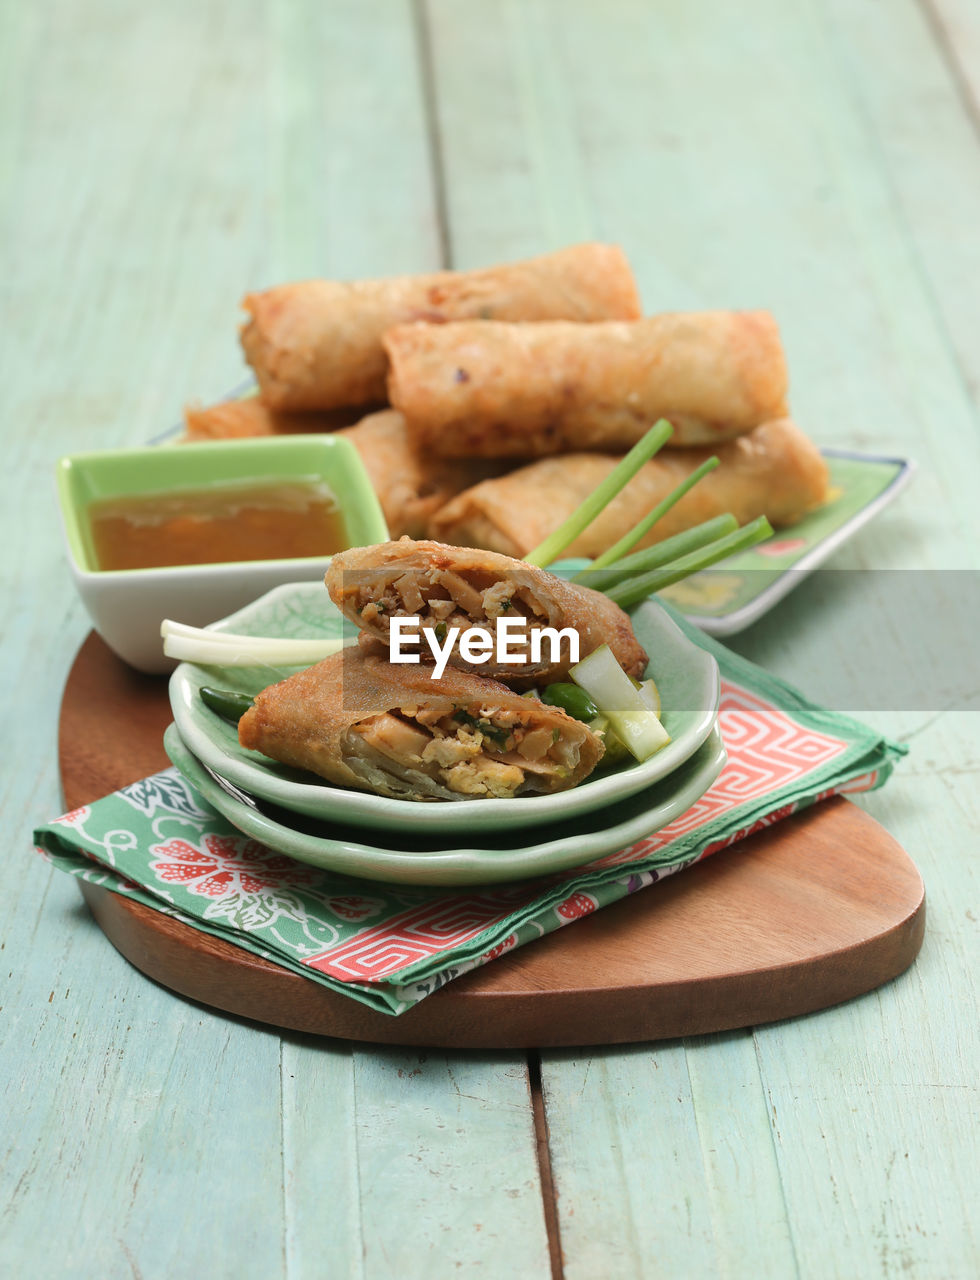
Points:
[(872, 1110), (430, 1162), (924, 131), (956, 24), (218, 147), (758, 160), (664, 1162), (852, 1128), (348, 171), (515, 181), (121, 1110), (463, 1193), (686, 183)]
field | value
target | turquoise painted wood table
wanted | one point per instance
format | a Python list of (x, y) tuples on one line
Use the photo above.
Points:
[(820, 159)]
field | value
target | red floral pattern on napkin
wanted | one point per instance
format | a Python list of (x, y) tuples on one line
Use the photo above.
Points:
[(224, 864)]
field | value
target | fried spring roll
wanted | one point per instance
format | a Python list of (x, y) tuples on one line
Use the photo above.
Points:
[(474, 389), (774, 470), (241, 419), (448, 587), (410, 488), (360, 722), (317, 344)]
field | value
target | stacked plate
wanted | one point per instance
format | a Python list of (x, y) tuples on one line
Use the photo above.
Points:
[(463, 843)]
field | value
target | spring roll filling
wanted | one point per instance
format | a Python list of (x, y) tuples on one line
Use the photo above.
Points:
[(442, 599), (483, 751)]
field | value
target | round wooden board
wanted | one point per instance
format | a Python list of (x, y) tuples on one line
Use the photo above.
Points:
[(812, 911)]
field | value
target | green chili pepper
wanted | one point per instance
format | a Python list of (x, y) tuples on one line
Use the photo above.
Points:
[(224, 702), (570, 698)]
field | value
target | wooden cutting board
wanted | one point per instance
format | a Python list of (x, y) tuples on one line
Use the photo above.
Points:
[(817, 909)]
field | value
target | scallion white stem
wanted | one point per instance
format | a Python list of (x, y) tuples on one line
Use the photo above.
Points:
[(618, 699), (227, 649)]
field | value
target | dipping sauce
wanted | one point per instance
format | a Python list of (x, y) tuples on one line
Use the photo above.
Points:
[(241, 520)]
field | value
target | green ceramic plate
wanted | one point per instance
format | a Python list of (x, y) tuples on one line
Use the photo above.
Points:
[(423, 859), (738, 591), (686, 676)]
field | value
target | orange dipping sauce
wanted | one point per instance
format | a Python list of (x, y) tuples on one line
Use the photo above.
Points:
[(244, 520)]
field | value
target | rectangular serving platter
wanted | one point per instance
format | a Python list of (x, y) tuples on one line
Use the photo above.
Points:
[(740, 590)]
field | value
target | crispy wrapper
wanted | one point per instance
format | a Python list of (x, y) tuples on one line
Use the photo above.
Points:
[(410, 488), (774, 470), (473, 389), (448, 586), (317, 344), (243, 419), (359, 722)]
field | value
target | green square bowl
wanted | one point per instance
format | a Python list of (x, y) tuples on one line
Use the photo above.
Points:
[(127, 606)]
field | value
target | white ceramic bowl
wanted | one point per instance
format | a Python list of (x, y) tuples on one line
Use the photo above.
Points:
[(127, 606)]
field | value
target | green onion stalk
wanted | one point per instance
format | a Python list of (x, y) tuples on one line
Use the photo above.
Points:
[(627, 576)]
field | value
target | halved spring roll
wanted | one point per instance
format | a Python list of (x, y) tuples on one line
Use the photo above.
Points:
[(447, 587), (317, 344), (360, 722), (774, 470), (473, 389)]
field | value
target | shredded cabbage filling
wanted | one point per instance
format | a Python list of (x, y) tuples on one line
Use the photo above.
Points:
[(472, 752), (442, 599)]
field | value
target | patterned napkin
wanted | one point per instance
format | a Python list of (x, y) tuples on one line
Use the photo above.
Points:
[(390, 945)]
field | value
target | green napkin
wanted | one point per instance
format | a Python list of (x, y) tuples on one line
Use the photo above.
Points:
[(390, 945)]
